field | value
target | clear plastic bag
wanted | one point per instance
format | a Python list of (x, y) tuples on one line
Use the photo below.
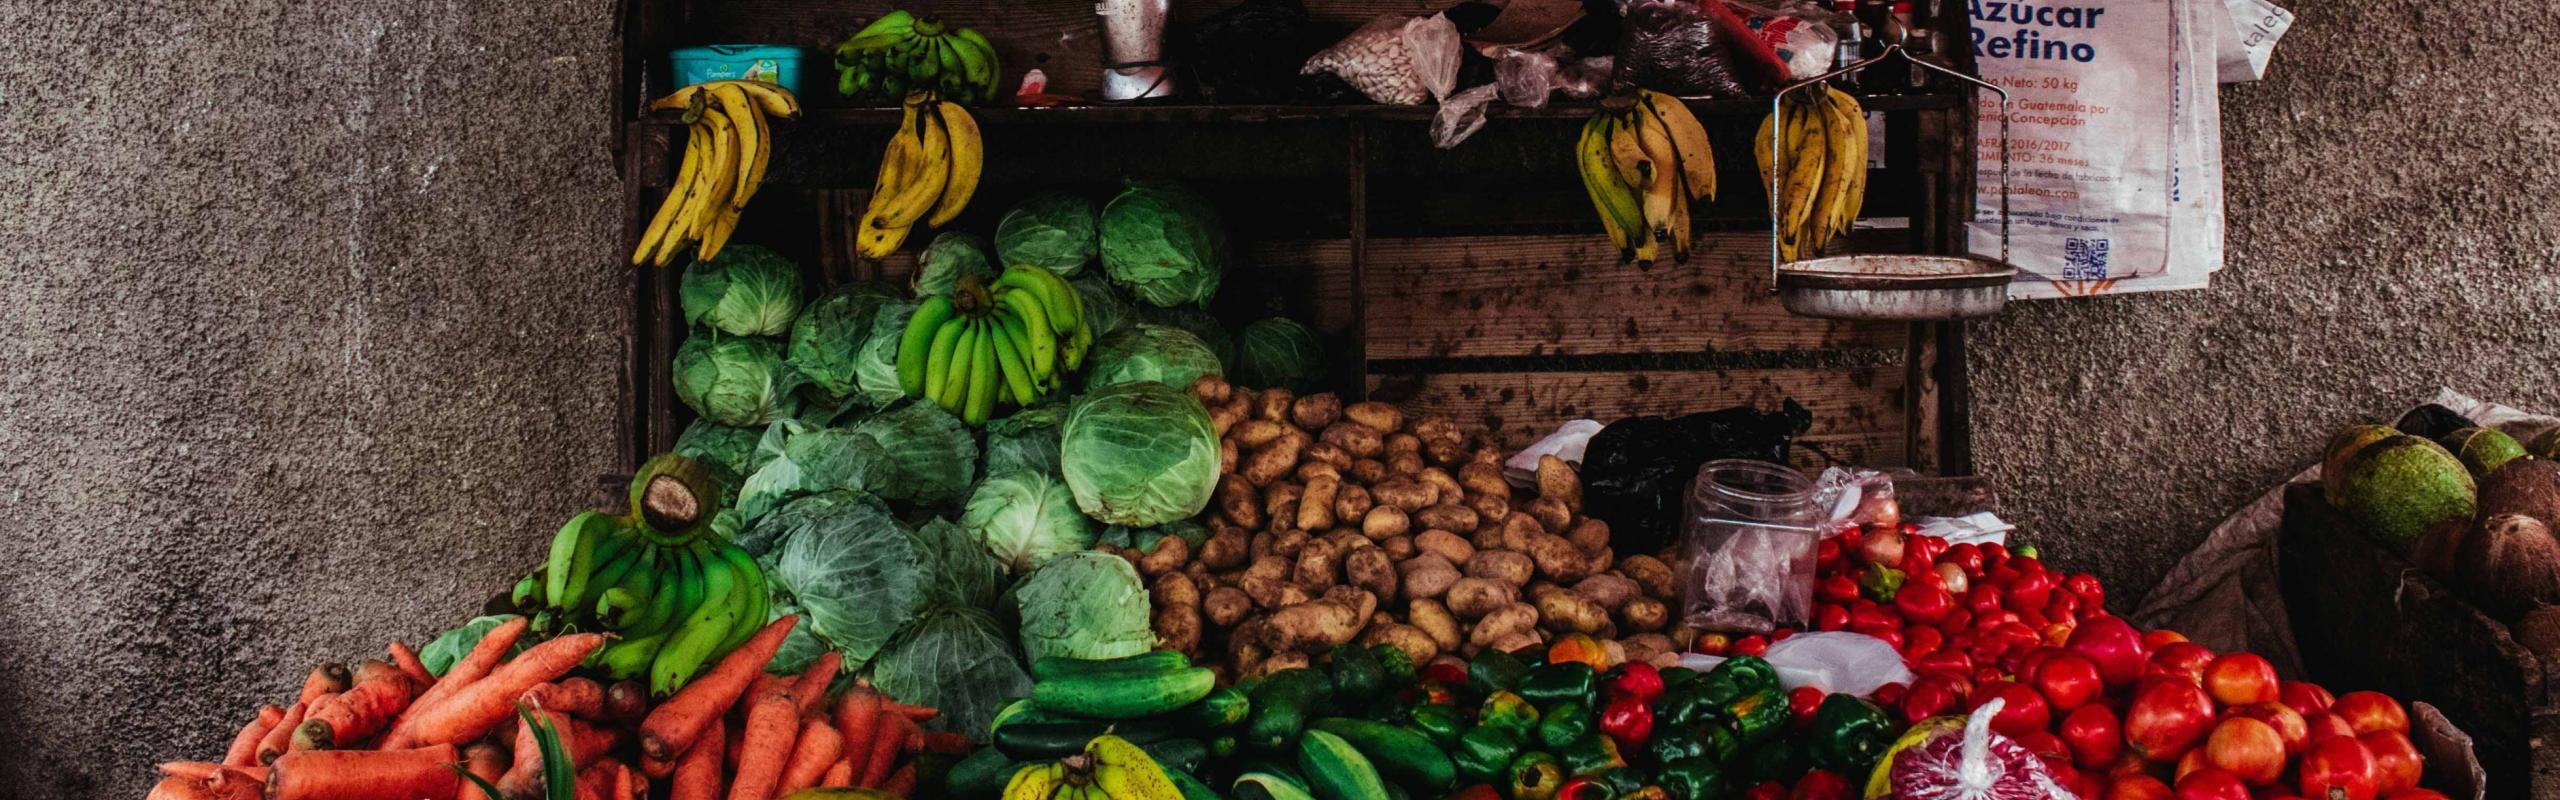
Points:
[(1431, 43), (1461, 116), (1747, 545), (1526, 78)]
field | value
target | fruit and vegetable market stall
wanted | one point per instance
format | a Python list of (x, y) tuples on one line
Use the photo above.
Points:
[(1293, 439)]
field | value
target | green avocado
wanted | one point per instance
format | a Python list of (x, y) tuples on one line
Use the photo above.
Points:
[(2482, 450), (2342, 446), (2396, 487)]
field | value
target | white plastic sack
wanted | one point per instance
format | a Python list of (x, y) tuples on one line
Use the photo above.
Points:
[(1833, 661), (2248, 38)]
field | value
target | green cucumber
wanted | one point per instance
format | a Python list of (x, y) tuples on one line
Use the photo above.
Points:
[(1266, 786), (980, 776), (1043, 741), (1224, 708), (1103, 696), (1281, 705), (1192, 788), (1152, 661), (1184, 755), (1337, 771), (1403, 756), (1357, 675)]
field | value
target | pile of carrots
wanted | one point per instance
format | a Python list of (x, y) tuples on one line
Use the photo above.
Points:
[(392, 729)]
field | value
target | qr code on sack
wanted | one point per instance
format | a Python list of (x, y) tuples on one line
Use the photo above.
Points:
[(2084, 259)]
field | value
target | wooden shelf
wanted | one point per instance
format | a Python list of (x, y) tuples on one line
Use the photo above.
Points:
[(1149, 113)]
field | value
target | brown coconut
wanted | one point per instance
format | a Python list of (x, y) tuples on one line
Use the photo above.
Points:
[(2440, 548), (2528, 486), (2510, 565)]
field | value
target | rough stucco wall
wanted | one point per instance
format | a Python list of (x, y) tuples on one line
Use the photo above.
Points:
[(310, 332), (2392, 229)]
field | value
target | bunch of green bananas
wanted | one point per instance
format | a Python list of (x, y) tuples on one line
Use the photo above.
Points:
[(927, 175), (1110, 768), (728, 146), (901, 52), (1643, 158), (678, 595), (1826, 175), (1017, 338)]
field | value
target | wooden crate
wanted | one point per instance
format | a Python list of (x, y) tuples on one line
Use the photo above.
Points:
[(2364, 618), (1471, 282)]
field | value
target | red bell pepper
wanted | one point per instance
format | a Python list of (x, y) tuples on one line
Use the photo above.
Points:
[(1629, 720), (1801, 703), (1635, 679)]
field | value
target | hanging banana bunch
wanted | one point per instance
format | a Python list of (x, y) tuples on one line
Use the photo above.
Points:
[(927, 175), (1826, 176), (1643, 159), (727, 148)]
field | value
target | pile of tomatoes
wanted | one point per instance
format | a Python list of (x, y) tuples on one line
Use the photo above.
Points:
[(2118, 714)]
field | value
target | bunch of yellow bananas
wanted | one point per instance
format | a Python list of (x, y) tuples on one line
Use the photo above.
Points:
[(1643, 158), (724, 162), (1826, 176), (928, 174), (1110, 768), (1015, 340)]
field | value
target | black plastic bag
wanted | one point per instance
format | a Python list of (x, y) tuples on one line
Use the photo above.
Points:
[(1636, 471), (2432, 422)]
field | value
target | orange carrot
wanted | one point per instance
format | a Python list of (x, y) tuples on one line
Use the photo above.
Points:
[(407, 661), (343, 719), (577, 697), (946, 744), (244, 747), (472, 666), (820, 747), (772, 722), (673, 725), (839, 776), (914, 713), (475, 709), (697, 775), (885, 746), (585, 744), (205, 769), (858, 717), (486, 761), (373, 669), (765, 682), (901, 783), (365, 774), (325, 679), (596, 782), (280, 738), (812, 684)]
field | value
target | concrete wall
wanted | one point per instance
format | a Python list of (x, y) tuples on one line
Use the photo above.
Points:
[(311, 325)]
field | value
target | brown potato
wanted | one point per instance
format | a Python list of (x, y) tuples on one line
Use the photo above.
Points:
[(1651, 574), (1488, 507), (1442, 441), (1280, 662), (1404, 464), (1309, 471), (1227, 455), (1588, 533), (1644, 614), (1316, 411), (1225, 550), (1212, 390), (1368, 471), (1226, 606), (1319, 565), (1503, 623), (1224, 419), (1405, 493), (1401, 443), (1285, 544), (1558, 479), (1510, 567), (1646, 647), (1472, 597), (1326, 454), (1179, 626), (1238, 501), (1448, 546), (1315, 507), (1416, 645), (1255, 433), (1438, 479), (1559, 559), (1484, 479), (1280, 504), (1564, 611), (1351, 501), (1345, 540), (1378, 416), (1428, 576), (1273, 461), (1397, 547), (1610, 590), (1273, 404), (1359, 440), (1434, 619), (1292, 594), (1170, 553), (1265, 592), (1518, 529), (1447, 517), (1384, 521), (1270, 566), (1372, 569), (1357, 598), (1551, 514)]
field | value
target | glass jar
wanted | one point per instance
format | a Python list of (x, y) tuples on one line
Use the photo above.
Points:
[(1747, 546)]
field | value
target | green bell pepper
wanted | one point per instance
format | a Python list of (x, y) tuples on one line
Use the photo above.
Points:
[(1622, 782), (1675, 744), (1534, 775), (1591, 756), (1564, 724), (1692, 702), (1849, 734), (1697, 778), (1509, 712), (1719, 741), (1759, 716), (1441, 724), (1495, 671), (1675, 676), (1749, 673), (1484, 754), (1556, 684)]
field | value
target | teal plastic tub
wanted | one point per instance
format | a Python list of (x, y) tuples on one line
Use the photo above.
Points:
[(771, 63)]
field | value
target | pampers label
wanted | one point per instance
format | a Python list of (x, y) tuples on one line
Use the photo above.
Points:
[(2092, 108)]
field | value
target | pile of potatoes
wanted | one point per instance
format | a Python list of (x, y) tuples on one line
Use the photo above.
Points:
[(1337, 524)]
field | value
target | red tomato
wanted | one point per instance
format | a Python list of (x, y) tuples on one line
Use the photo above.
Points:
[(2327, 725), (2187, 765), (2211, 784), (2241, 679), (2368, 712), (2290, 726), (2337, 768), (1994, 555), (1714, 644), (2046, 746), (2084, 785), (2022, 712), (2064, 605), (2086, 589), (1826, 555), (2068, 681), (1801, 701), (1822, 784), (1982, 598), (1891, 635), (1781, 634), (2184, 658), (2157, 638), (1931, 695), (2415, 794), (1767, 790), (2112, 645), (2396, 763), (2307, 699), (1830, 617), (1965, 556), (2094, 736), (1948, 660), (2032, 588), (1836, 589), (1921, 640), (1754, 645), (1957, 621), (2248, 749), (1867, 614), (1924, 603), (2167, 718), (2137, 787), (1890, 695)]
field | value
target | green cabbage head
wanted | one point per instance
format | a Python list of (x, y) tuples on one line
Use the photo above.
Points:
[(1026, 519), (1051, 230), (952, 255), (1087, 605), (1165, 244), (1164, 354), (1278, 353), (1106, 309), (1140, 454), (827, 340), (745, 291), (734, 381)]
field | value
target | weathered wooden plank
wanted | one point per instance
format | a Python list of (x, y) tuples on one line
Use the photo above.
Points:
[(1856, 412)]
